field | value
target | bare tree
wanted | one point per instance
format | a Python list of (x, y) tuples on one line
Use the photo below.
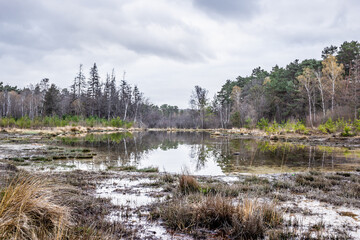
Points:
[(199, 101)]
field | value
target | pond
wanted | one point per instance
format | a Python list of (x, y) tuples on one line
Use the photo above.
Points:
[(200, 154)]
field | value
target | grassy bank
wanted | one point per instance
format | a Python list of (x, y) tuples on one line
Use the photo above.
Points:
[(340, 127), (345, 128)]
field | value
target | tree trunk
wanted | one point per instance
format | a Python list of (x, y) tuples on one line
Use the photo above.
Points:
[(126, 107), (314, 107), (309, 97), (332, 96)]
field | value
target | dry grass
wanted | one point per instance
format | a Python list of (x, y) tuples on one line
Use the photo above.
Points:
[(188, 184), (214, 208), (28, 211), (31, 208), (246, 220)]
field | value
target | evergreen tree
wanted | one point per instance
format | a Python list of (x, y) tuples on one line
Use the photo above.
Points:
[(51, 101)]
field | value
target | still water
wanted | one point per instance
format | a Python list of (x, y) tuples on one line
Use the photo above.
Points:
[(200, 154)]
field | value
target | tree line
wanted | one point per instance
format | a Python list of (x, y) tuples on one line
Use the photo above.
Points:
[(87, 97), (310, 90)]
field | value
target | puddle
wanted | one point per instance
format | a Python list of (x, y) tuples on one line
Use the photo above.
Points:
[(19, 150), (332, 217), (133, 197), (127, 192)]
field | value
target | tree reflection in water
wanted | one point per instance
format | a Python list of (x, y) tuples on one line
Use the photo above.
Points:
[(205, 155)]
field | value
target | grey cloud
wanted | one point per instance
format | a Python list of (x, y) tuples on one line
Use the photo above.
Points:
[(42, 38), (229, 8), (49, 26)]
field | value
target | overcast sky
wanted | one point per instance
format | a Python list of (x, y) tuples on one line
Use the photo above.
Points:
[(166, 47)]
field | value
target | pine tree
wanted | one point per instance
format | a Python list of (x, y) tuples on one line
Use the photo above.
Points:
[(94, 90), (51, 101)]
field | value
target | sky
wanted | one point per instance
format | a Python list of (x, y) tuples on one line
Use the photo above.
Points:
[(166, 47)]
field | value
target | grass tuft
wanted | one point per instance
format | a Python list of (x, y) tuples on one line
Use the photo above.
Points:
[(28, 211), (246, 220), (188, 184)]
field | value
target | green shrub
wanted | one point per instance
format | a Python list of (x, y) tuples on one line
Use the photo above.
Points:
[(347, 131), (340, 123), (356, 125), (328, 127), (301, 128), (273, 128), (116, 122), (322, 128), (129, 125), (263, 123), (248, 123), (24, 122)]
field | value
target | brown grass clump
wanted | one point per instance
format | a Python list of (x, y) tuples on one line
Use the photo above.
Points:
[(188, 184), (246, 220), (27, 211)]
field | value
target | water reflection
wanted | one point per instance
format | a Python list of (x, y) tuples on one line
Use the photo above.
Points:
[(202, 155)]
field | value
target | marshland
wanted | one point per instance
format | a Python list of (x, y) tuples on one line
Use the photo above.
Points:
[(176, 119), (177, 185)]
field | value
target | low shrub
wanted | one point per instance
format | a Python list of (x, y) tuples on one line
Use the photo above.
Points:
[(328, 127), (263, 124), (347, 131)]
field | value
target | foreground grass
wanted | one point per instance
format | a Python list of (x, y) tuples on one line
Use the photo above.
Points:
[(252, 207), (34, 208), (28, 211), (191, 208), (248, 208), (248, 219)]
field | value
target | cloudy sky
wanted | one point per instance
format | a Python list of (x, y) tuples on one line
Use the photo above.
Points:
[(166, 47)]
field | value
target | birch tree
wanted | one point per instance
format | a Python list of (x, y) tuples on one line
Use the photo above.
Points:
[(355, 72), (321, 87), (333, 73), (306, 79)]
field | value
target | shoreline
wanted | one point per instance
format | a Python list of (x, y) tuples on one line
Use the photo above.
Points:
[(312, 138)]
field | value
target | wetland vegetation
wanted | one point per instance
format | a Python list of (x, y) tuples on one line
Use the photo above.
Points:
[(275, 155), (133, 186)]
